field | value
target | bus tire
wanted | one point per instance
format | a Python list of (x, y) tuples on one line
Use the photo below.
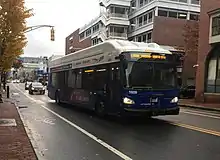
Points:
[(100, 108), (57, 98)]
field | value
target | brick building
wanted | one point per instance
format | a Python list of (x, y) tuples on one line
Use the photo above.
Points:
[(159, 21), (208, 72)]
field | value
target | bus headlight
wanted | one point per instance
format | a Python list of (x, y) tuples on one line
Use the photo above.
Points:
[(174, 100), (128, 101), (32, 88)]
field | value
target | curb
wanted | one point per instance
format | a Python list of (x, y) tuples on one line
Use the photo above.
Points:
[(199, 107), (28, 132)]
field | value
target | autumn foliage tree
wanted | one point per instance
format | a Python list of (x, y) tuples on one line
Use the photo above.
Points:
[(17, 64), (13, 15)]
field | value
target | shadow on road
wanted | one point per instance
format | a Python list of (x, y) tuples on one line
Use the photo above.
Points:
[(125, 121)]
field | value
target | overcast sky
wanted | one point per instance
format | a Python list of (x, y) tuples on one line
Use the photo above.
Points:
[(65, 15)]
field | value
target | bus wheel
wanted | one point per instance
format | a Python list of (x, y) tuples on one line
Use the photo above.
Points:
[(100, 108), (57, 98)]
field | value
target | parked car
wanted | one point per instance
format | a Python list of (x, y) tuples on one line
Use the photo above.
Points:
[(27, 84), (36, 87), (187, 92)]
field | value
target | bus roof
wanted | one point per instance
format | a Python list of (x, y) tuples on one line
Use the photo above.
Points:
[(105, 52)]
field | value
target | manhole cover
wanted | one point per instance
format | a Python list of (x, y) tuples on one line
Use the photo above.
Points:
[(7, 122)]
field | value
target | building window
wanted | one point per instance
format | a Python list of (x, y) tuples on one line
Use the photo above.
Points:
[(216, 26), (88, 32), (95, 41), (144, 38), (71, 38), (131, 39), (172, 14), (182, 15), (194, 16), (213, 72), (141, 3), (133, 3), (182, 1), (140, 21), (163, 13), (195, 2), (95, 28), (150, 17), (81, 36), (149, 37), (145, 19)]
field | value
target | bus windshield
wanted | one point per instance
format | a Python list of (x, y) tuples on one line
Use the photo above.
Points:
[(150, 75)]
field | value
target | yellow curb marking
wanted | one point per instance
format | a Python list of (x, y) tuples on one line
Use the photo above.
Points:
[(207, 131)]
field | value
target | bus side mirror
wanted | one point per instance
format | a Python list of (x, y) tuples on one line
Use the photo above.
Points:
[(117, 57)]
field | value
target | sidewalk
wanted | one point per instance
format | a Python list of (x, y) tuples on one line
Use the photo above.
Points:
[(14, 142), (205, 106)]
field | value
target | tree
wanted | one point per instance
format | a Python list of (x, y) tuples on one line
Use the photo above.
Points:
[(17, 64), (191, 38), (13, 15)]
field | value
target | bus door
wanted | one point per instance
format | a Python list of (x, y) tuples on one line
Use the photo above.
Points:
[(114, 91)]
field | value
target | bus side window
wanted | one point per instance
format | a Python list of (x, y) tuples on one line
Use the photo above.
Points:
[(72, 79), (54, 79), (88, 80), (78, 79), (101, 76)]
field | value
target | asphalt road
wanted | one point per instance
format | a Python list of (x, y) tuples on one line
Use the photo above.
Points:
[(68, 133)]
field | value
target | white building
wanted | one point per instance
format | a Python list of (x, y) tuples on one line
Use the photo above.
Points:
[(134, 19)]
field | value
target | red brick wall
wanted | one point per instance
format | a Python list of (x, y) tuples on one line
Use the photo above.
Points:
[(204, 47), (170, 31), (76, 43)]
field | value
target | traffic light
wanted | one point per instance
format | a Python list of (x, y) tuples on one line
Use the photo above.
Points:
[(52, 36)]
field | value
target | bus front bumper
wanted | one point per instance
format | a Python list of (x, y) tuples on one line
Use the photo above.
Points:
[(150, 111)]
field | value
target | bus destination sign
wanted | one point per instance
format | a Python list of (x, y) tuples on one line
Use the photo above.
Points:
[(148, 56), (61, 68)]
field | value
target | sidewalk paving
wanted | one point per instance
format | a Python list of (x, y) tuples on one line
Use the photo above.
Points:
[(205, 106), (14, 141)]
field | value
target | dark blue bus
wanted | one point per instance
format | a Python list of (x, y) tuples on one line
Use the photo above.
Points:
[(117, 77)]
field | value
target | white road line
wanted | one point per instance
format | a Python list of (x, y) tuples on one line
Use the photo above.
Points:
[(104, 144), (200, 114)]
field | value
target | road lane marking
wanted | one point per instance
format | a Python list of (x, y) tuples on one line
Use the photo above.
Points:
[(207, 131), (120, 154), (101, 142), (201, 114), (190, 127)]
